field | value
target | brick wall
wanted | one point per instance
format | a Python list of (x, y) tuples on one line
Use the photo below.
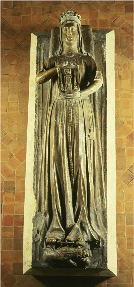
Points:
[(19, 19)]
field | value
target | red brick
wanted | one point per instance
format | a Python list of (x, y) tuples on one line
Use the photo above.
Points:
[(104, 10), (18, 244), (120, 219), (2, 194), (11, 176), (129, 206), (17, 11), (7, 220), (129, 276), (9, 186), (37, 19), (120, 230), (4, 155), (130, 137), (126, 259), (120, 163), (7, 4), (130, 243), (24, 89), (85, 15), (10, 57), (5, 171), (103, 23), (26, 11), (25, 57), (22, 138), (5, 66), (9, 197), (7, 244), (19, 197), (120, 8), (18, 220), (93, 23), (7, 140), (120, 152), (9, 44), (20, 185), (40, 3), (93, 14), (125, 41), (129, 7), (126, 28), (16, 20), (120, 206), (131, 168), (130, 231), (4, 272), (85, 22), (21, 155), (6, 13), (127, 177), (9, 280), (19, 208), (37, 10), (130, 219), (121, 265), (120, 59), (18, 232), (17, 4), (21, 170), (6, 256), (13, 163), (15, 147), (17, 270), (25, 44), (17, 256), (129, 193), (26, 21), (7, 232), (128, 53), (7, 266), (8, 209), (15, 69), (9, 29), (121, 241)]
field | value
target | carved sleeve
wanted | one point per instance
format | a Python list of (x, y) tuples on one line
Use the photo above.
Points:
[(49, 64)]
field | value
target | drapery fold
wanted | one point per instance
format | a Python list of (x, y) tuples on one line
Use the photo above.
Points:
[(70, 181)]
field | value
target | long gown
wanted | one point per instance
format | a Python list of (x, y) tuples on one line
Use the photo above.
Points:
[(71, 178)]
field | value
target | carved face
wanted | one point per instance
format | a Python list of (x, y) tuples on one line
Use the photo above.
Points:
[(69, 33)]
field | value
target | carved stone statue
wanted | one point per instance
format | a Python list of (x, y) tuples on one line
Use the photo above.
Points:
[(71, 224)]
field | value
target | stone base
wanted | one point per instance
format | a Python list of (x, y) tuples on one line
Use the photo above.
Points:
[(97, 272)]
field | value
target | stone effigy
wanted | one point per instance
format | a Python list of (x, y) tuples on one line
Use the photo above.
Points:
[(72, 170), (70, 148)]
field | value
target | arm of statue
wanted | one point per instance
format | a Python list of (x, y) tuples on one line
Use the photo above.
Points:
[(44, 76), (94, 86)]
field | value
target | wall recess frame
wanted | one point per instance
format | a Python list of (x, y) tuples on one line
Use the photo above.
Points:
[(100, 46)]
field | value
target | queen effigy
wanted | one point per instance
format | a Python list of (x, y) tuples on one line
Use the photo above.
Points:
[(70, 182)]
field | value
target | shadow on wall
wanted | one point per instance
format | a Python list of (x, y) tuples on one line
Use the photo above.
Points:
[(70, 281)]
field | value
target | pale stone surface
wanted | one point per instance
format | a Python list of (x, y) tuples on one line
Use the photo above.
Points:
[(30, 203), (111, 154)]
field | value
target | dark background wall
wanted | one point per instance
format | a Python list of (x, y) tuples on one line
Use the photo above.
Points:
[(19, 19)]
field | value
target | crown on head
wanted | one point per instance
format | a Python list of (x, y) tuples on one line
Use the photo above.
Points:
[(70, 16)]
